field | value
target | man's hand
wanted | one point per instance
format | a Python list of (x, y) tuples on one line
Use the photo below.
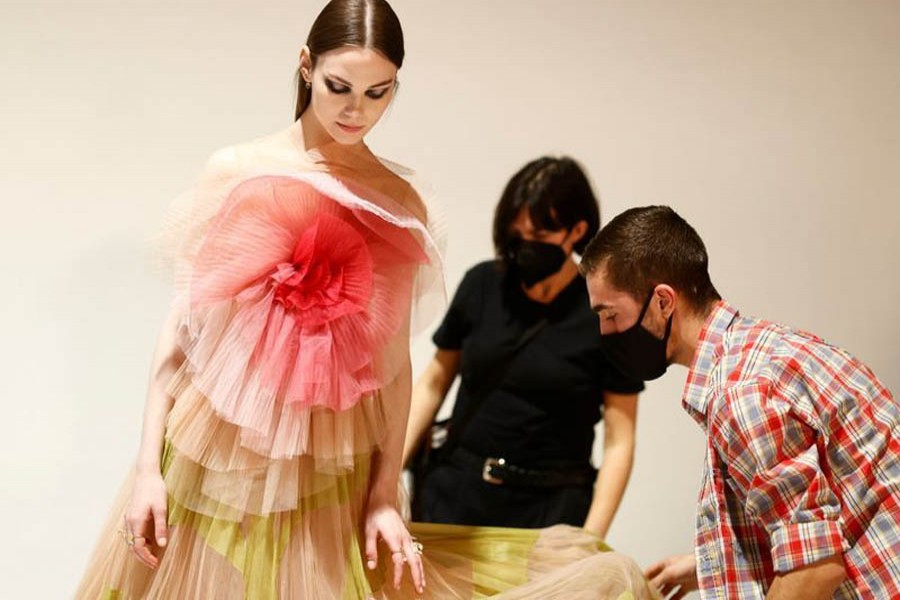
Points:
[(676, 574)]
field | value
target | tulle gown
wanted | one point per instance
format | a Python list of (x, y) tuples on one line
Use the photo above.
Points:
[(299, 277)]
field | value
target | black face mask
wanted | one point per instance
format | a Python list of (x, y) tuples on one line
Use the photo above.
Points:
[(637, 352), (535, 261)]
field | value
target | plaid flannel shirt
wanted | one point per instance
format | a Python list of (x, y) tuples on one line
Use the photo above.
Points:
[(803, 461)]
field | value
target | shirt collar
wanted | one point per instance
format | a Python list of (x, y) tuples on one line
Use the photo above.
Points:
[(709, 349)]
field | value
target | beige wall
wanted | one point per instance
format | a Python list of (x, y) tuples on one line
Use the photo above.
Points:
[(772, 126)]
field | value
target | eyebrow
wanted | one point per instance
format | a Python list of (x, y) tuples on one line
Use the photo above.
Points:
[(348, 84), (599, 307)]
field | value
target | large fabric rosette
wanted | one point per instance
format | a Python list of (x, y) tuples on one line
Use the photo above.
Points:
[(299, 299)]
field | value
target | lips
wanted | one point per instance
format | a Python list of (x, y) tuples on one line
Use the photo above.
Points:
[(350, 128)]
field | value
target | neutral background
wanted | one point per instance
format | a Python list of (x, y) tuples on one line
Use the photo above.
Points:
[(771, 126)]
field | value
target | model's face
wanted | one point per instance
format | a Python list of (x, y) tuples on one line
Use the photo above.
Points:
[(351, 88)]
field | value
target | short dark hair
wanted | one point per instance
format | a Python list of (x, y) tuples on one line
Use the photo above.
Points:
[(646, 246), (557, 194)]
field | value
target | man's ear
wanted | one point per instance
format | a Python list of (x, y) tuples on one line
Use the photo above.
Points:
[(664, 296)]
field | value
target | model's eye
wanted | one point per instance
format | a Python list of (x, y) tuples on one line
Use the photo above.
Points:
[(377, 94), (336, 88)]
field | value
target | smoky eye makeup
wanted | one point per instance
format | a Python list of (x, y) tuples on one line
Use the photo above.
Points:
[(336, 88), (377, 94)]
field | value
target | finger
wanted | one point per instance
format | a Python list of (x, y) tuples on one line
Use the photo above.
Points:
[(397, 556), (662, 578), (371, 547), (416, 568), (160, 531), (143, 553), (660, 581), (653, 570), (137, 522), (681, 593)]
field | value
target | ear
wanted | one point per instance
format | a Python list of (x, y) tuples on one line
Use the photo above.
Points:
[(578, 230), (306, 64), (664, 298)]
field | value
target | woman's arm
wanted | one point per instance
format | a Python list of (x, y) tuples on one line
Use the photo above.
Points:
[(385, 475), (427, 397), (383, 519), (145, 517), (618, 454)]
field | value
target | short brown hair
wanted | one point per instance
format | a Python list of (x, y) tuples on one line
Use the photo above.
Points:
[(646, 246)]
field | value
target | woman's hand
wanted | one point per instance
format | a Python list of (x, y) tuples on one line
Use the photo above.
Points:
[(675, 574), (383, 521), (145, 518)]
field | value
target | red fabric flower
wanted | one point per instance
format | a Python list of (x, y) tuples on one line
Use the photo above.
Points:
[(295, 297)]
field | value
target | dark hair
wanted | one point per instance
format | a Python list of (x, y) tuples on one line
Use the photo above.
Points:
[(644, 247), (557, 195), (361, 23)]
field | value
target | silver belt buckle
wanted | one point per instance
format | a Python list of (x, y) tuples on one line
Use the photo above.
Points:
[(489, 464)]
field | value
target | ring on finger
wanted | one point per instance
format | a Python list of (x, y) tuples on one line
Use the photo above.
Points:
[(127, 536), (401, 553)]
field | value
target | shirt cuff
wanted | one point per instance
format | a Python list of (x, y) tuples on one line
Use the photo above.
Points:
[(795, 545)]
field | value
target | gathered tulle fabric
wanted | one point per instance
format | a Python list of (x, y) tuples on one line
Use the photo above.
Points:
[(381, 189), (299, 300), (299, 277), (314, 552)]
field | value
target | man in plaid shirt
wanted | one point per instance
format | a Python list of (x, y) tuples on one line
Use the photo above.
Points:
[(801, 493)]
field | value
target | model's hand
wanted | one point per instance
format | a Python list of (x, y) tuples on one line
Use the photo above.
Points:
[(383, 521), (145, 518), (676, 574)]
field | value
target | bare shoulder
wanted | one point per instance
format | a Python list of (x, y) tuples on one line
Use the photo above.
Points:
[(390, 180)]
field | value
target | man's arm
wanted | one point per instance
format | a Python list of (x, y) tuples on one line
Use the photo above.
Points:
[(816, 581)]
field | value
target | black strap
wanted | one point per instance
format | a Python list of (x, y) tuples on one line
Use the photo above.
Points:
[(477, 397)]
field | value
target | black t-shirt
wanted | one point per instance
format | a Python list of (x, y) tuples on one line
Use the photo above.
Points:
[(551, 395)]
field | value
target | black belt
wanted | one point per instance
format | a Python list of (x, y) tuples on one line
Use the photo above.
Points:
[(499, 472)]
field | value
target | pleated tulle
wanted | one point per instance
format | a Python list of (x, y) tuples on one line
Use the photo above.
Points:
[(314, 552)]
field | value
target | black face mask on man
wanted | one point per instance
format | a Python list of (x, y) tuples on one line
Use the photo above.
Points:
[(535, 261), (637, 352)]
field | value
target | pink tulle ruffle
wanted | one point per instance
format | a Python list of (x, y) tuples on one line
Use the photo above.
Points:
[(298, 292)]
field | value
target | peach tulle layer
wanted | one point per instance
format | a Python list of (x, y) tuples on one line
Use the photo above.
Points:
[(315, 553), (214, 471)]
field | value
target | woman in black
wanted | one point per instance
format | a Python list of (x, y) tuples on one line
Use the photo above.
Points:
[(522, 336)]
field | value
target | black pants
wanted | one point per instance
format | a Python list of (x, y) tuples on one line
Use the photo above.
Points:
[(457, 494)]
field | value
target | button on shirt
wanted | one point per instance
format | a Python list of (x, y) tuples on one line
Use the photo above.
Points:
[(803, 460)]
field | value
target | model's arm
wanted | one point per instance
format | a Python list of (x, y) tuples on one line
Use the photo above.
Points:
[(145, 516), (618, 454), (427, 396), (386, 462), (816, 581), (383, 521)]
